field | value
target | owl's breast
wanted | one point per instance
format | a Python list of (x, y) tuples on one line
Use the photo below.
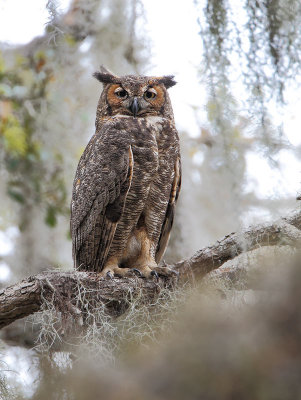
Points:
[(144, 146), (147, 138)]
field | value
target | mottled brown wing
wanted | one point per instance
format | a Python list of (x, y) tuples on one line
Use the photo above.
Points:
[(169, 216), (101, 184)]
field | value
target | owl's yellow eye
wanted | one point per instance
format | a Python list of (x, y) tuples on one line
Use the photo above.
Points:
[(121, 93), (151, 93)]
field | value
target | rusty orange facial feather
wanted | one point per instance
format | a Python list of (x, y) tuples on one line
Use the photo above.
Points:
[(159, 100), (113, 100)]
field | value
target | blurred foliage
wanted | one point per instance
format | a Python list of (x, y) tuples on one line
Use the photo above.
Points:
[(251, 53), (263, 36), (255, 45), (214, 171), (30, 179)]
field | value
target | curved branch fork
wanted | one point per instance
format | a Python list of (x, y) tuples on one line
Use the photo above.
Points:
[(29, 295)]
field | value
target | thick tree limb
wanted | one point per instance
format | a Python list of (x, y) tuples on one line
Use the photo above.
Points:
[(62, 288), (286, 231), (28, 296)]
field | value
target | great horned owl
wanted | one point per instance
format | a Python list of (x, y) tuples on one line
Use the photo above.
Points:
[(128, 179)]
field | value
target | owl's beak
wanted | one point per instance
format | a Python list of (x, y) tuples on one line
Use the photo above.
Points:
[(134, 107)]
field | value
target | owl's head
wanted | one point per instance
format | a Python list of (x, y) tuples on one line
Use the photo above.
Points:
[(134, 95)]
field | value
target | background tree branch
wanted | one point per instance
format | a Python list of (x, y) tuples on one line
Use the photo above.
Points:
[(28, 296), (285, 231)]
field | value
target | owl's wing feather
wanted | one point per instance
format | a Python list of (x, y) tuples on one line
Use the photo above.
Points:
[(101, 184), (169, 216)]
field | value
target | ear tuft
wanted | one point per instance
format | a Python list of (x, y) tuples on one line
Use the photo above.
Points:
[(105, 76), (167, 80), (105, 70)]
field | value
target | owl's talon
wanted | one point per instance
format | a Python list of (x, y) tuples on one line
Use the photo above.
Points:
[(109, 275), (155, 274), (137, 272)]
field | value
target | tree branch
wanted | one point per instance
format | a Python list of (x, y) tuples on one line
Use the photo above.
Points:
[(61, 288), (285, 231)]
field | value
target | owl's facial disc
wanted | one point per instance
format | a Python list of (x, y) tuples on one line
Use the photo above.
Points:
[(142, 104), (137, 101)]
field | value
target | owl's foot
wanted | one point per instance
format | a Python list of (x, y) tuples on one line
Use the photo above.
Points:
[(112, 271), (151, 271), (142, 271)]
